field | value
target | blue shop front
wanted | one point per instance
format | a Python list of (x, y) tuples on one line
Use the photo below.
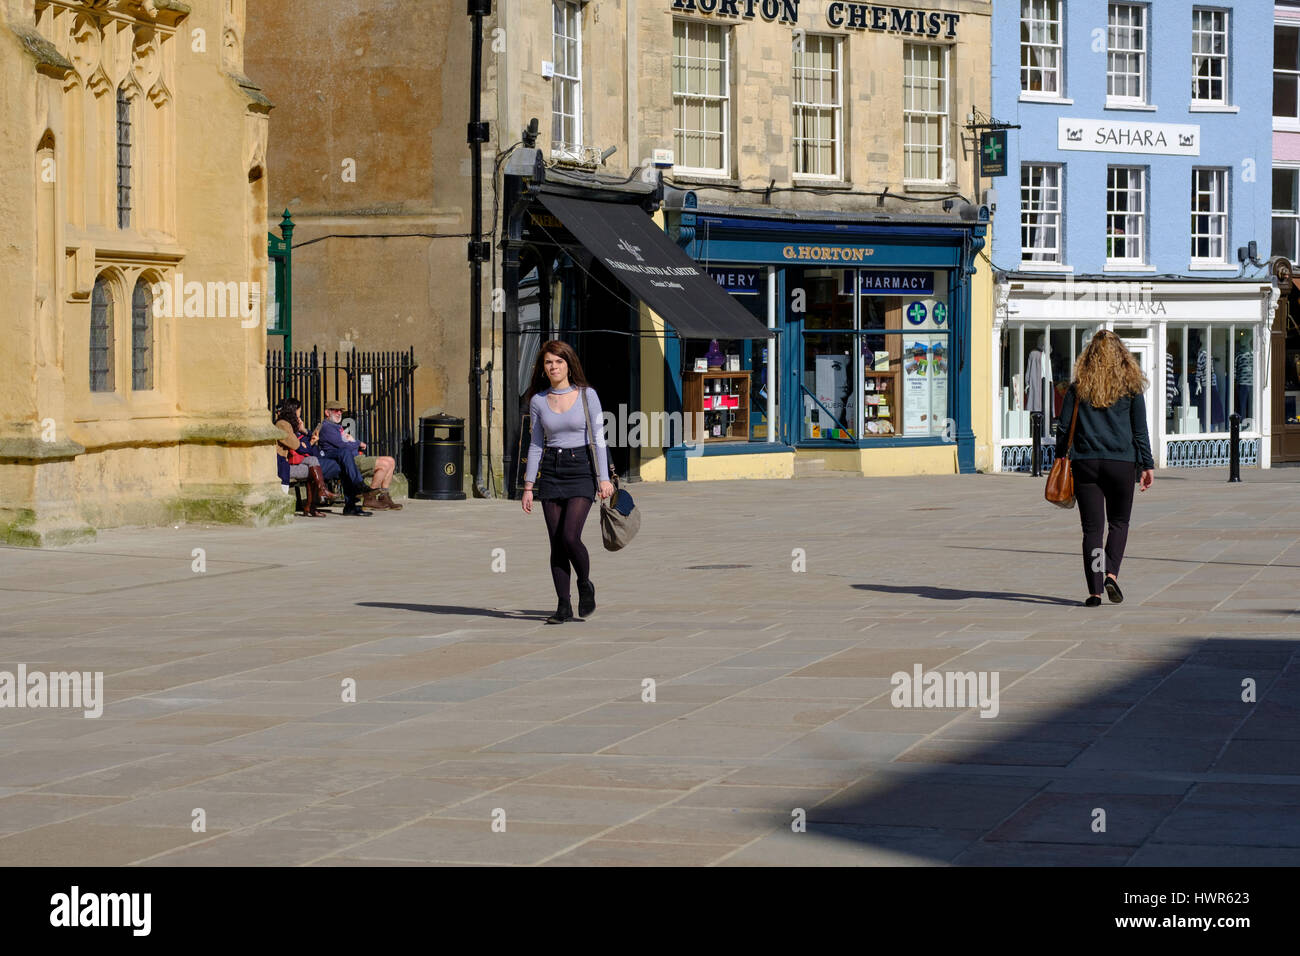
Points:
[(868, 366)]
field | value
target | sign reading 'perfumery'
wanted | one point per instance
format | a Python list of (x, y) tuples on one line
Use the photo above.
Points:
[(852, 16)]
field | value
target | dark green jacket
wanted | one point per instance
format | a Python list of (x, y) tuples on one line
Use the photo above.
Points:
[(1118, 433)]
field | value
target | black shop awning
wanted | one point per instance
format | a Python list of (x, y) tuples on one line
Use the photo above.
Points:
[(655, 269)]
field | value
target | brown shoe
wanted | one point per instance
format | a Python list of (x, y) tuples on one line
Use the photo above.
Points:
[(375, 502), (388, 500)]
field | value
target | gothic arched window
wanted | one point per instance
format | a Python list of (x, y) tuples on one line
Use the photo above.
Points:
[(101, 336), (141, 337)]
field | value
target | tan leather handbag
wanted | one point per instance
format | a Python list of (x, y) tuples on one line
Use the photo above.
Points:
[(1060, 481)]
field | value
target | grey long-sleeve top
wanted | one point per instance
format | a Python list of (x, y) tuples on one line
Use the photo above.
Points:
[(565, 430), (1117, 433)]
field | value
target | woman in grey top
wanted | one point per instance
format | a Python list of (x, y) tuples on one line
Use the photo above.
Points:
[(1111, 452), (560, 472)]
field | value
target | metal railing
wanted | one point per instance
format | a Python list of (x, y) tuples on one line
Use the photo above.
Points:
[(376, 387)]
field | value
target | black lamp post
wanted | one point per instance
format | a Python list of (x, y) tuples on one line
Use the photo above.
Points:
[(479, 251)]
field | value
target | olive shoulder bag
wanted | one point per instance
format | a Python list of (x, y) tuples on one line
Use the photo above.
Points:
[(620, 518)]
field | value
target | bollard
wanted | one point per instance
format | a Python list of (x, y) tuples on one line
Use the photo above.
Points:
[(1234, 462), (1036, 432)]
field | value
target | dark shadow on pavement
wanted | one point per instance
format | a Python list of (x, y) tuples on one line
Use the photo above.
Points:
[(1114, 754), (1131, 557), (454, 609), (957, 594)]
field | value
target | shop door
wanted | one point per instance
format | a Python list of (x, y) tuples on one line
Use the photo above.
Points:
[(1144, 352)]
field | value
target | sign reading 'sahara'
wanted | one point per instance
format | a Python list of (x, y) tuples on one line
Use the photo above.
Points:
[(1107, 136)]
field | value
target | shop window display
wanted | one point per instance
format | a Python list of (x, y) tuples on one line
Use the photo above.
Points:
[(1209, 374), (735, 421), (879, 369), (1037, 366)]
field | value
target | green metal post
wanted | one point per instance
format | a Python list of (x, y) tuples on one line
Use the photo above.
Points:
[(286, 310)]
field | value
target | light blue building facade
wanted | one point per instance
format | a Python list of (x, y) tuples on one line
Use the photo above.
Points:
[(1136, 183)]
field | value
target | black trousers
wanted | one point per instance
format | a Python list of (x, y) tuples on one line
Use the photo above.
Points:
[(1103, 489)]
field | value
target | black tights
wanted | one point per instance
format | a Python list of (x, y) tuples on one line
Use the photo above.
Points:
[(564, 520), (1104, 492)]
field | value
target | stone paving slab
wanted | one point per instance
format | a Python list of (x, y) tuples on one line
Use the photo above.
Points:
[(769, 736)]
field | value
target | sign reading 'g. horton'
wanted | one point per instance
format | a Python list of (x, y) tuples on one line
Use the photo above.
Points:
[(852, 16)]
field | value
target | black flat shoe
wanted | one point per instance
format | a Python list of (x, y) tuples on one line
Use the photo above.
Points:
[(357, 513), (586, 598), (562, 613), (1093, 601), (1113, 592)]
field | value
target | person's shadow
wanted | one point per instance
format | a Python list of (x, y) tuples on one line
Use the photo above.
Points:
[(957, 594), (521, 615)]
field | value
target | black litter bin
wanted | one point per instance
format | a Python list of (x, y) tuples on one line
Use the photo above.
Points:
[(441, 451)]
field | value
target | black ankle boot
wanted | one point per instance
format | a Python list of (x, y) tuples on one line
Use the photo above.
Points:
[(562, 613), (586, 598)]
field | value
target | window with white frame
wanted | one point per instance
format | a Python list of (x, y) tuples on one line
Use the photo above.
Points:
[(1126, 54), (1209, 56), (566, 84), (817, 106), (1210, 215), (701, 100), (925, 112), (1286, 212), (1286, 76), (1040, 213), (1040, 47), (1125, 215)]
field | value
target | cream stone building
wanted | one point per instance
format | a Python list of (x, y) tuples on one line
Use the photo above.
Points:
[(133, 197), (797, 139)]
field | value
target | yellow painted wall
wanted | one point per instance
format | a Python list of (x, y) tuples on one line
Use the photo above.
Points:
[(653, 331), (882, 462), (981, 358), (726, 467)]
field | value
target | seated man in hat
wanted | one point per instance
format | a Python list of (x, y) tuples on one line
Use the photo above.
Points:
[(339, 457)]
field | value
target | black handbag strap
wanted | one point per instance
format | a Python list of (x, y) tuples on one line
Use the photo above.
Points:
[(1069, 442)]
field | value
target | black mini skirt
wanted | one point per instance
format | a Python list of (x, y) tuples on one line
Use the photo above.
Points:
[(565, 473)]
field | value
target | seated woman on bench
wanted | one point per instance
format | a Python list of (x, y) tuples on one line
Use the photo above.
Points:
[(298, 459)]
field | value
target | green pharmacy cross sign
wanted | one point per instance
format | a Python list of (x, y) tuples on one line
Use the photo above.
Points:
[(993, 152)]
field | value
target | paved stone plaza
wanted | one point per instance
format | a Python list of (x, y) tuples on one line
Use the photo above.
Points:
[(224, 687)]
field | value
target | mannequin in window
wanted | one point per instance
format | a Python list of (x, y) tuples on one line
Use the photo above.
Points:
[(1244, 367), (1037, 371), (1172, 395), (1203, 373)]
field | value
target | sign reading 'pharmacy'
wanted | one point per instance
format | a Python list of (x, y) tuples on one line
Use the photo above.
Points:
[(1104, 136)]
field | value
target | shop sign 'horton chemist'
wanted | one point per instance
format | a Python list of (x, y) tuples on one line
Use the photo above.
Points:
[(853, 16)]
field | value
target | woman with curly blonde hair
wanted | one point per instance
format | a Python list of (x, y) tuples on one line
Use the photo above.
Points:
[(1111, 451)]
